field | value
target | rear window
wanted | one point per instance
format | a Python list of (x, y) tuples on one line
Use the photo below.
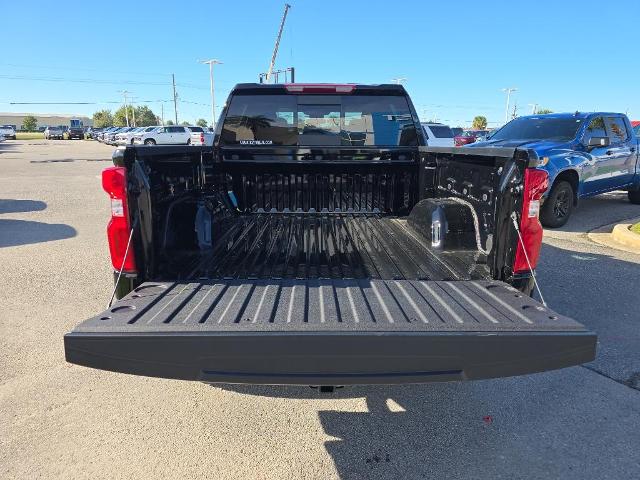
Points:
[(319, 120), (440, 131), (196, 129)]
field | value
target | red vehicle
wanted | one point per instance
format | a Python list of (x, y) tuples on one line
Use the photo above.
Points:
[(468, 136)]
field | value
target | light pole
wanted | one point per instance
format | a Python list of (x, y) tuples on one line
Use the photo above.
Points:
[(126, 109), (508, 91), (534, 108), (399, 80), (211, 63)]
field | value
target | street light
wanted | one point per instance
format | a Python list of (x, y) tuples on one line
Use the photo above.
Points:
[(508, 91), (399, 80), (211, 63)]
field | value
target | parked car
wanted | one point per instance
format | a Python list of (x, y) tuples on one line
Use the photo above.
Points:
[(201, 136), (75, 132), (468, 136), (169, 135), (456, 131), (636, 127), (51, 133), (324, 251), (585, 154), (8, 131), (110, 138), (437, 135), (126, 138)]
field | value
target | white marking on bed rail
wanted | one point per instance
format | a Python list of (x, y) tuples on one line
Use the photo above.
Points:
[(449, 310), (168, 303), (199, 303), (504, 304), (382, 304), (356, 318), (472, 302), (321, 298), (290, 311), (264, 293), (224, 313), (412, 302)]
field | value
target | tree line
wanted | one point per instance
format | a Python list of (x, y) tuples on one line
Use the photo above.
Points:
[(143, 115)]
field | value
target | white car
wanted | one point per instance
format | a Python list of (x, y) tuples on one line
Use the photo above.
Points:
[(438, 135), (7, 131), (126, 138), (201, 136), (169, 135)]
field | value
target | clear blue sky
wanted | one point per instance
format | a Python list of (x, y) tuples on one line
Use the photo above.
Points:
[(456, 56)]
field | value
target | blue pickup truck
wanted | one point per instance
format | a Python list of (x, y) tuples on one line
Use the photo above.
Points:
[(585, 154)]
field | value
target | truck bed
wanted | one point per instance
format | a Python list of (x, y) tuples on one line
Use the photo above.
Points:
[(327, 332), (327, 245)]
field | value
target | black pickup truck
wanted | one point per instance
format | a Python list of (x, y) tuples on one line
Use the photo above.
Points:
[(318, 242)]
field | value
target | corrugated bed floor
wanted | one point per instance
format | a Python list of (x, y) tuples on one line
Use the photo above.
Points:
[(331, 245)]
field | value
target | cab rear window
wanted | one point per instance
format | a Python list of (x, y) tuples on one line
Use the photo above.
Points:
[(319, 120)]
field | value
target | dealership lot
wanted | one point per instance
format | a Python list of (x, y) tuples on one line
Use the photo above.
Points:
[(71, 422)]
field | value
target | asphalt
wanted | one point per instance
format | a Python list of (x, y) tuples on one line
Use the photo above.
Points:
[(63, 421)]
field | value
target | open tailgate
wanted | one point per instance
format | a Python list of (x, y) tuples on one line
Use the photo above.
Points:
[(328, 332)]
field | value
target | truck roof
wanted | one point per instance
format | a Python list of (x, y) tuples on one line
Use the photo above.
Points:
[(581, 115), (319, 88)]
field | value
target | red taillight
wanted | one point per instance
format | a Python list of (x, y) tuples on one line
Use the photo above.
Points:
[(319, 87), (114, 182), (202, 138), (535, 184)]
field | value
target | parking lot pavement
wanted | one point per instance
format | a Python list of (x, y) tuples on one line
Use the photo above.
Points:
[(63, 421)]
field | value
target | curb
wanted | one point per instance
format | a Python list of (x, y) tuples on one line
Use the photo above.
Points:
[(621, 233), (615, 235)]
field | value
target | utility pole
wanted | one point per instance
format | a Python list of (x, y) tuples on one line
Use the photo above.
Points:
[(211, 63), (534, 108), (162, 112), (508, 91), (133, 111), (126, 109), (175, 97), (275, 49), (399, 80), (515, 110)]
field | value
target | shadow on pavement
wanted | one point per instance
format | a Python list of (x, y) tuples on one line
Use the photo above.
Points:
[(601, 292), (19, 206), (23, 232)]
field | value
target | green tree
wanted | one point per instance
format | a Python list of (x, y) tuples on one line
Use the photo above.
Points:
[(169, 122), (120, 116), (145, 116), (479, 122), (186, 124), (102, 118), (30, 123), (543, 111), (201, 122)]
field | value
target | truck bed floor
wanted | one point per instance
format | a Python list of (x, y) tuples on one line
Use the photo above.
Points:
[(333, 245)]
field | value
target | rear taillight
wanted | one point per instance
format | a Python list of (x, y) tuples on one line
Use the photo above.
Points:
[(114, 182), (535, 184), (202, 138)]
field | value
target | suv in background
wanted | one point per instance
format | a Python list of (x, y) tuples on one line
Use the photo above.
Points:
[(51, 133), (437, 135), (7, 131), (169, 135)]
